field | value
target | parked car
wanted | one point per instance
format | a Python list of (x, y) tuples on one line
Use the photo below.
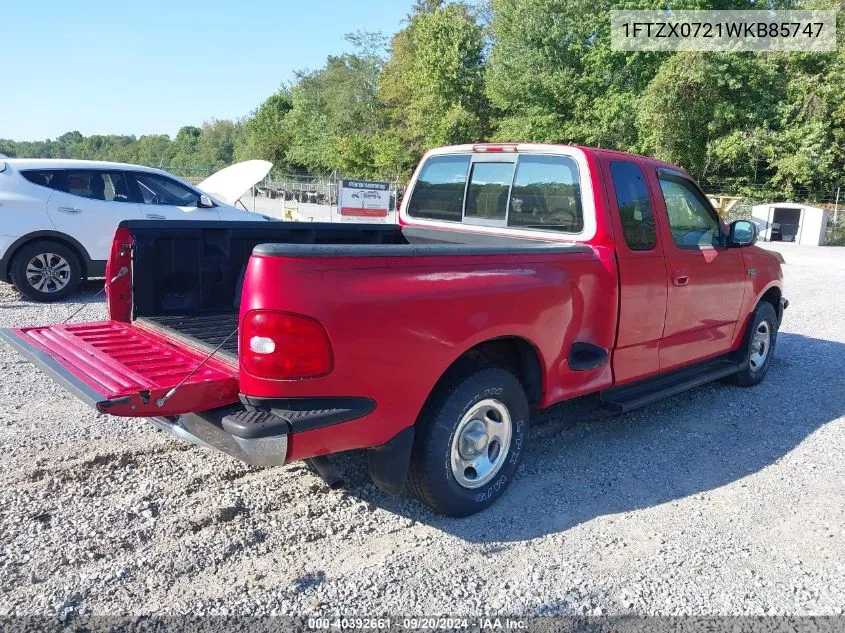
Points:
[(58, 217), (521, 276)]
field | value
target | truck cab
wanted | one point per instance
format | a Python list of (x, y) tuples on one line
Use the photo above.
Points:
[(685, 287)]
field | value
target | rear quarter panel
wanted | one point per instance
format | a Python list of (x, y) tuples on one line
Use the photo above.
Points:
[(397, 323), (23, 205)]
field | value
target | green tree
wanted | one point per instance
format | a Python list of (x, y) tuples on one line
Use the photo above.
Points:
[(553, 77), (217, 142), (152, 149), (433, 82), (266, 135), (334, 108)]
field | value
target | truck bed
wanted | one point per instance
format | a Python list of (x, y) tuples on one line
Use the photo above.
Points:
[(183, 297), (203, 331), (187, 276)]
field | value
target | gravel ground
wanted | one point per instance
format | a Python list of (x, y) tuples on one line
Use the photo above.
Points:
[(719, 501)]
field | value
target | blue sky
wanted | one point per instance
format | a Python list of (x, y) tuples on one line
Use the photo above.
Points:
[(154, 66)]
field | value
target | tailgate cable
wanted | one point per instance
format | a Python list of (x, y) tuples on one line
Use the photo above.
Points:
[(123, 271), (160, 402)]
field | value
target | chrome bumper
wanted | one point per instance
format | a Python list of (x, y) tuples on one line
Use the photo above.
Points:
[(206, 429)]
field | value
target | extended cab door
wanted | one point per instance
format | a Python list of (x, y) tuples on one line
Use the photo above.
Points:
[(706, 279), (642, 271), (90, 205)]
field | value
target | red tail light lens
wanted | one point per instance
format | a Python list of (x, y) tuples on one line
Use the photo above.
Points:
[(284, 346)]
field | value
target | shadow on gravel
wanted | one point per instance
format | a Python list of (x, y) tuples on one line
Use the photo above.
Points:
[(582, 462)]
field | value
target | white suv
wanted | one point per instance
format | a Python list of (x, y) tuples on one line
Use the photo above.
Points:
[(58, 217)]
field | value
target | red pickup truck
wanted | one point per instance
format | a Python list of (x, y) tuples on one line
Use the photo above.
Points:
[(521, 275)]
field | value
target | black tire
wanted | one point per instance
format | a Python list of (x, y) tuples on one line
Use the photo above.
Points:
[(65, 279), (430, 475), (764, 318)]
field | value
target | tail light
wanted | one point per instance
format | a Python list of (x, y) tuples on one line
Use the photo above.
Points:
[(284, 346)]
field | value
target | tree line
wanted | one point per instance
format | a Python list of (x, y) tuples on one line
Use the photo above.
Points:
[(526, 70)]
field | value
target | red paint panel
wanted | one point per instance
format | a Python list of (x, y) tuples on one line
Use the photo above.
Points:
[(119, 291), (396, 324), (363, 213), (119, 361)]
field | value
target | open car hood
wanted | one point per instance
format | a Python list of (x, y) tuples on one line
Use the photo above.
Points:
[(232, 182)]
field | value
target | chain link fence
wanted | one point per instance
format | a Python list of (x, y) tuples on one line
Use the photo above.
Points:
[(286, 187)]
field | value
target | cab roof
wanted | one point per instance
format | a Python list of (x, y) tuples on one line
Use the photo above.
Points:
[(546, 148)]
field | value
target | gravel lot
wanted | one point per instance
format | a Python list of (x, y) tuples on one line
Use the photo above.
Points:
[(718, 501)]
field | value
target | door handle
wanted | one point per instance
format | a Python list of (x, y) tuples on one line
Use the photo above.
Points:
[(680, 278), (155, 216), (68, 210)]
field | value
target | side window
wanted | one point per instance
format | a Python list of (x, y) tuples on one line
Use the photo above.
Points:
[(51, 178), (692, 222), (634, 206), (439, 191), (487, 193), (156, 189), (109, 186), (546, 195)]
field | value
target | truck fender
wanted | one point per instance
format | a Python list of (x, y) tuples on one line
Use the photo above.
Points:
[(771, 293), (388, 463)]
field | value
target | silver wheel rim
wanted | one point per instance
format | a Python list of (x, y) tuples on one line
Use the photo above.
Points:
[(761, 342), (481, 443), (48, 272)]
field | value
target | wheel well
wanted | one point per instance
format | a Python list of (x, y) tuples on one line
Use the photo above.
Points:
[(772, 295), (83, 259), (516, 355)]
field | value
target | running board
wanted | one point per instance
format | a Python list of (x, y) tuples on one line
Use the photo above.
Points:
[(633, 396)]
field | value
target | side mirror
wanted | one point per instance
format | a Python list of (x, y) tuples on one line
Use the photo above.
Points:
[(205, 202), (742, 233)]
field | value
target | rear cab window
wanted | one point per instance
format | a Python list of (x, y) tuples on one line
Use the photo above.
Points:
[(546, 195), (439, 191), (487, 193), (521, 191)]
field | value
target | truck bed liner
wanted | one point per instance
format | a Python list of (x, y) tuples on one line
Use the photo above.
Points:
[(201, 331)]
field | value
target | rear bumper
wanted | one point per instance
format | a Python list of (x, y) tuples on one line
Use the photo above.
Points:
[(206, 429), (259, 435)]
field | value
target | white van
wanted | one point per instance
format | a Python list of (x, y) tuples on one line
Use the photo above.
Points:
[(58, 217)]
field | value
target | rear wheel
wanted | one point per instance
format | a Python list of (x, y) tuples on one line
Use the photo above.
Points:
[(46, 271), (469, 440), (760, 346)]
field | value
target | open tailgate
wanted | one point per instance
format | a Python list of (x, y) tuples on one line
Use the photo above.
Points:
[(124, 370)]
